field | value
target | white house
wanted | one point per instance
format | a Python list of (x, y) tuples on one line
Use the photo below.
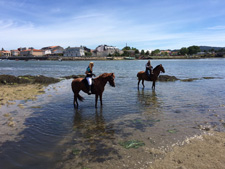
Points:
[(15, 52), (53, 50), (102, 48), (74, 52), (105, 50), (47, 52)]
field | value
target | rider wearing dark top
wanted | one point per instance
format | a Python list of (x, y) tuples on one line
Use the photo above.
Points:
[(149, 69)]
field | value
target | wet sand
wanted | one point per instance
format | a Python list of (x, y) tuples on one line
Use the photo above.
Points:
[(12, 113), (10, 93), (206, 151)]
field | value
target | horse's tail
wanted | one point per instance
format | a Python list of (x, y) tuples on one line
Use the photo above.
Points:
[(74, 85), (80, 97)]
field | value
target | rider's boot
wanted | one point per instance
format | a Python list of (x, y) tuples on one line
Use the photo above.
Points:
[(89, 91)]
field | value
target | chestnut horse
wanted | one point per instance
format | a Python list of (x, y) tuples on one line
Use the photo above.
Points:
[(143, 76), (97, 89)]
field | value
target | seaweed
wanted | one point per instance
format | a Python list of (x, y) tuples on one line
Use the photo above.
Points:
[(132, 144), (172, 131), (75, 151)]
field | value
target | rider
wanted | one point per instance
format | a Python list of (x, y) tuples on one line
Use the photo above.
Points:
[(89, 75), (148, 69)]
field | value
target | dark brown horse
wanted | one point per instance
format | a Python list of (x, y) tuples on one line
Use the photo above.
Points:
[(143, 76), (98, 88)]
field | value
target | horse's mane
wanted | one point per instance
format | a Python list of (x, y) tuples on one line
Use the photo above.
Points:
[(104, 75), (157, 67)]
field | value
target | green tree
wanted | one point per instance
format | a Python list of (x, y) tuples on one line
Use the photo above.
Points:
[(183, 51), (147, 53), (88, 53), (155, 52), (116, 54), (193, 50), (136, 51), (126, 48), (125, 53), (165, 54), (142, 52), (134, 48), (212, 50)]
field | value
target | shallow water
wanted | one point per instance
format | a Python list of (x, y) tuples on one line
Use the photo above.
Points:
[(57, 135)]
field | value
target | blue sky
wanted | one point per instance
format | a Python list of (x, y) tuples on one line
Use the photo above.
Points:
[(144, 24)]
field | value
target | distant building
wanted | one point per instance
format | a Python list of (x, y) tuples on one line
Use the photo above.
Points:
[(74, 52), (165, 52), (15, 52), (53, 50), (5, 53), (105, 50), (174, 53), (31, 52), (47, 52)]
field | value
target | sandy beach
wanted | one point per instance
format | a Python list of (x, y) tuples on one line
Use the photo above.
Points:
[(10, 93), (206, 151)]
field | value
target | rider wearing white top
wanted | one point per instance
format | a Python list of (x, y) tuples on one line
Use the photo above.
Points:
[(89, 75)]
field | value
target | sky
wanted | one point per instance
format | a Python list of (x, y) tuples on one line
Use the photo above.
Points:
[(143, 24)]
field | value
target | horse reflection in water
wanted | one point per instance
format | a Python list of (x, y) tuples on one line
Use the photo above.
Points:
[(93, 137), (147, 98), (143, 76), (90, 123), (98, 88)]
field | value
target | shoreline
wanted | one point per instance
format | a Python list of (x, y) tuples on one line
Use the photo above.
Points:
[(62, 58)]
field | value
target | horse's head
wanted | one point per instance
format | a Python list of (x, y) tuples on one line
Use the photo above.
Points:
[(158, 69), (110, 79), (162, 68)]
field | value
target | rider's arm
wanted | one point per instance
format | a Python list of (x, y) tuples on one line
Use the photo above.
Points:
[(147, 66)]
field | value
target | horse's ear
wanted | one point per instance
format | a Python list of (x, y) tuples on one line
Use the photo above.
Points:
[(112, 74), (161, 65)]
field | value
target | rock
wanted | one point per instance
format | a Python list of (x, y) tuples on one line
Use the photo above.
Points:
[(73, 76), (9, 79), (167, 78), (189, 80), (28, 79)]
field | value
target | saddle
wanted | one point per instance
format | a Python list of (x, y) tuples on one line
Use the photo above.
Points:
[(87, 86), (148, 75)]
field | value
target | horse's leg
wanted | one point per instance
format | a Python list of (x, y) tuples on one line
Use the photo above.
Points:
[(153, 85), (143, 83), (101, 98), (75, 102), (96, 100), (138, 82)]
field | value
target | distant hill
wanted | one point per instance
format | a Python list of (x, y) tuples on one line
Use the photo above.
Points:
[(207, 48)]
